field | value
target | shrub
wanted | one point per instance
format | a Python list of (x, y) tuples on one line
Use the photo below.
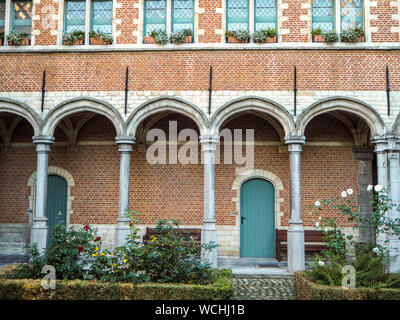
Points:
[(161, 37), (178, 37), (16, 38), (79, 34), (351, 35), (331, 36), (316, 31)]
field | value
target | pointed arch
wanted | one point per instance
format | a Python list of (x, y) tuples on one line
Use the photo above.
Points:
[(258, 105), (354, 106), (162, 104), (81, 104)]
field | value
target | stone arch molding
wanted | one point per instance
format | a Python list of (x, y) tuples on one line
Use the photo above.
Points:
[(59, 172), (261, 174), (162, 104), (396, 126), (357, 107), (22, 110), (58, 113), (254, 104)]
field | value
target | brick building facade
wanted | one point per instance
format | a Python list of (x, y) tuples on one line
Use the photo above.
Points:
[(341, 123)]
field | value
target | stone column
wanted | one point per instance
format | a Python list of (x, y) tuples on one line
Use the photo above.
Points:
[(122, 229), (296, 254), (209, 230), (394, 182), (364, 155), (40, 228), (381, 167)]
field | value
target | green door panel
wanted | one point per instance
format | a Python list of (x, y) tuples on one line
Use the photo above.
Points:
[(257, 219), (56, 210)]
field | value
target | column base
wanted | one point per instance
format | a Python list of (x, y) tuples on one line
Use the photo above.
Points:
[(39, 232), (296, 254), (209, 234), (122, 231)]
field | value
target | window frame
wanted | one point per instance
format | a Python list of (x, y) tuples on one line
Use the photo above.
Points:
[(333, 17), (12, 27)]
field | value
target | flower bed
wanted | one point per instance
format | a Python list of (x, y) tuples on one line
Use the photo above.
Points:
[(308, 290), (31, 289)]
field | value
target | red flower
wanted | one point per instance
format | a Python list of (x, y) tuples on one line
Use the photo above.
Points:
[(86, 228), (97, 239), (80, 249)]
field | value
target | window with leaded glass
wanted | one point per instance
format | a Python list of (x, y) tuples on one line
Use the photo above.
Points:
[(2, 14), (351, 12), (237, 15), (101, 20), (323, 15), (264, 14), (155, 12), (75, 15), (182, 15), (21, 16)]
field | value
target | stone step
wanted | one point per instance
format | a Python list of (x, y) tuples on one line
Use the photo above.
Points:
[(263, 287)]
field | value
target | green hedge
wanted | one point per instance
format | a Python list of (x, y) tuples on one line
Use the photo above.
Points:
[(308, 290), (29, 289)]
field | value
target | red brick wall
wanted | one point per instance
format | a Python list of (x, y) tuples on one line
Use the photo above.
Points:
[(384, 11), (254, 70)]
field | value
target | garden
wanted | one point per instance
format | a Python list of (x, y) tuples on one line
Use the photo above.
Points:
[(354, 268), (167, 268)]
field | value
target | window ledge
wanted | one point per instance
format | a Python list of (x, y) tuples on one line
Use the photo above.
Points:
[(205, 46)]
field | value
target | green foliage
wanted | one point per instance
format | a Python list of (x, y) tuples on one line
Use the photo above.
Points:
[(100, 35), (261, 36), (2, 35), (178, 37), (70, 38), (324, 272), (79, 34), (16, 37), (240, 35), (316, 31), (331, 37), (161, 37), (351, 35)]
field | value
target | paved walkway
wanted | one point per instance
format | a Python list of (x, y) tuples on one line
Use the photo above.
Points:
[(259, 279)]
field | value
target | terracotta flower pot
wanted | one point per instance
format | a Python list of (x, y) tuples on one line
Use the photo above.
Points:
[(1, 42), (98, 41), (79, 42), (188, 39), (24, 42), (271, 39), (149, 40), (361, 39), (234, 40), (318, 38)]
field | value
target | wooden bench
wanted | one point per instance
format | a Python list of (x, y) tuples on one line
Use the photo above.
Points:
[(182, 232), (311, 239)]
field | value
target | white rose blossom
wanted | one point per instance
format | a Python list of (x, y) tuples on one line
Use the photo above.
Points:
[(317, 224), (375, 250), (317, 204), (344, 194), (321, 263), (350, 191), (378, 188), (370, 187)]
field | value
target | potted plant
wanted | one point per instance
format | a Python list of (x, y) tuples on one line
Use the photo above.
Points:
[(353, 35), (188, 35), (239, 36), (1, 38), (73, 38), (317, 35), (100, 38), (331, 37), (183, 36), (157, 37), (265, 36), (16, 38)]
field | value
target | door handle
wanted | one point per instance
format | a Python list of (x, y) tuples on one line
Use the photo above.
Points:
[(242, 219)]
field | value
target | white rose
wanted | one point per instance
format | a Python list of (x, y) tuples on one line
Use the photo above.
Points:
[(317, 203), (378, 188), (317, 224), (325, 229), (321, 263), (370, 187), (375, 250), (350, 191), (344, 194), (320, 218)]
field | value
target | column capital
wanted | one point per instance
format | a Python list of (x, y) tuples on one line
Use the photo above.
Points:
[(43, 143), (125, 143), (380, 143), (209, 142), (392, 144), (295, 143)]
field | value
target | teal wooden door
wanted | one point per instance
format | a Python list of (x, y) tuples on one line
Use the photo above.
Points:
[(56, 209), (257, 219)]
